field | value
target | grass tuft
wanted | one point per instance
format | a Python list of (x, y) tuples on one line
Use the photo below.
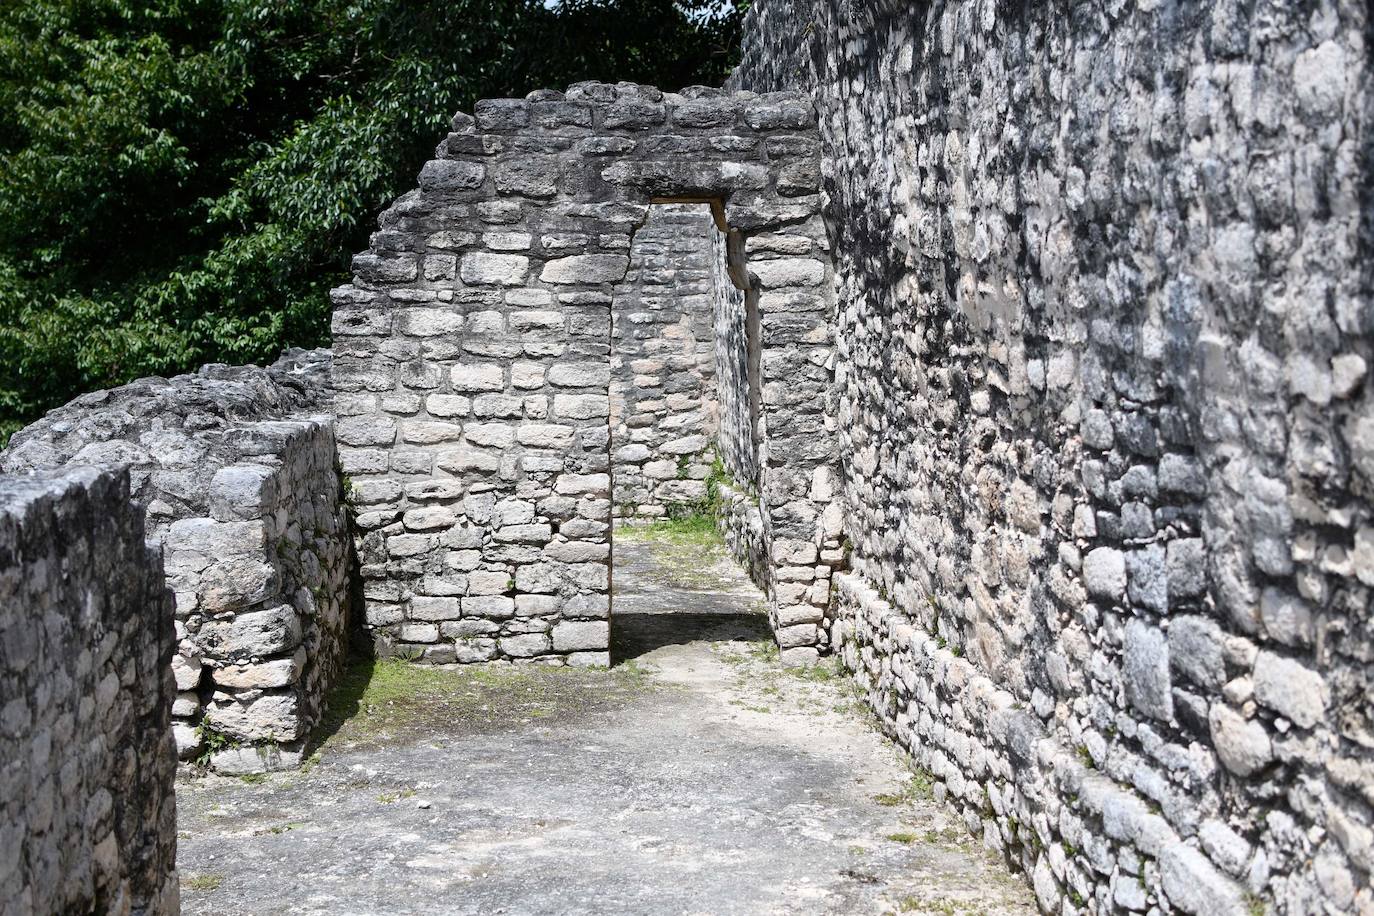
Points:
[(206, 882)]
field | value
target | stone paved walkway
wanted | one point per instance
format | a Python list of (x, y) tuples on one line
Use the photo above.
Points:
[(695, 777)]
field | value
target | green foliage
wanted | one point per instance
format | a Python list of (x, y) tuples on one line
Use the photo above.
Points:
[(919, 787), (182, 181), (687, 530), (212, 741), (206, 882)]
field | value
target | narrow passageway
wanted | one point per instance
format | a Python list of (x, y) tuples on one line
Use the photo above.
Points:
[(695, 776)]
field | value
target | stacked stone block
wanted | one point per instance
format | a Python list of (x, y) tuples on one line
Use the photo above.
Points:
[(472, 360), (735, 316), (663, 387), (241, 485), (1102, 357), (87, 760), (262, 588)]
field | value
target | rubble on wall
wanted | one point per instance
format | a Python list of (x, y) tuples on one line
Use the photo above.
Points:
[(1102, 352), (87, 759), (236, 469)]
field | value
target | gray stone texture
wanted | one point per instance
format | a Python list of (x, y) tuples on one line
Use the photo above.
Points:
[(237, 471), (663, 386), (1103, 279), (1041, 338), (87, 758), (479, 422)]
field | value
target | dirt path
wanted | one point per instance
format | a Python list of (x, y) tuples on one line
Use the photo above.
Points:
[(696, 777)]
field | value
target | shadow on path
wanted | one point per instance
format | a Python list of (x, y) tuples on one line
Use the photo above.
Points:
[(633, 635)]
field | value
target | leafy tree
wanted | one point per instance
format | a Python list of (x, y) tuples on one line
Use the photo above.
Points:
[(181, 181)]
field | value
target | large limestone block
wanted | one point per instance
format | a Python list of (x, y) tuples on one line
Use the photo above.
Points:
[(586, 268), (255, 633)]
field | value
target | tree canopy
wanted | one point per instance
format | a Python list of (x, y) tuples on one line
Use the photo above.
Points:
[(182, 181)]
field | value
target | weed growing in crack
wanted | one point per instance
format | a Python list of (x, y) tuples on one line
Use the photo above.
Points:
[(919, 787)]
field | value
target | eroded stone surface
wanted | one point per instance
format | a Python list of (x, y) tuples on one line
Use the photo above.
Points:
[(87, 811), (1102, 342), (235, 468)]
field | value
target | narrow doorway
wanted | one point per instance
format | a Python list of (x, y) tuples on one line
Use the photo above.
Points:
[(672, 580)]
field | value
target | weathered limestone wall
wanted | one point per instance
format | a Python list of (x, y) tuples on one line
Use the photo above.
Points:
[(87, 760), (262, 583), (736, 332), (241, 486), (1102, 346), (473, 362), (663, 384)]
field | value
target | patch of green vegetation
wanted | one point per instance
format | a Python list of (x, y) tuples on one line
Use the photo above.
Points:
[(1255, 905), (697, 529), (919, 787), (205, 882), (906, 839), (253, 779), (824, 671), (942, 906), (380, 700), (1085, 756), (688, 547), (281, 828), (388, 798), (765, 651), (212, 741)]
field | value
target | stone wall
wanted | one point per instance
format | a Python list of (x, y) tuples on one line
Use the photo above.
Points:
[(262, 583), (87, 760), (663, 385), (240, 484), (735, 316), (1107, 457), (472, 362)]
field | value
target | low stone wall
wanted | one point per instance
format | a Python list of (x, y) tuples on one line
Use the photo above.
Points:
[(741, 524), (262, 585), (241, 485), (1073, 828), (87, 761), (663, 386)]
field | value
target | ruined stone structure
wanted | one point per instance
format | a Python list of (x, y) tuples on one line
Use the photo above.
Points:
[(237, 471), (1103, 334), (473, 363), (1033, 344), (663, 366), (87, 760)]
